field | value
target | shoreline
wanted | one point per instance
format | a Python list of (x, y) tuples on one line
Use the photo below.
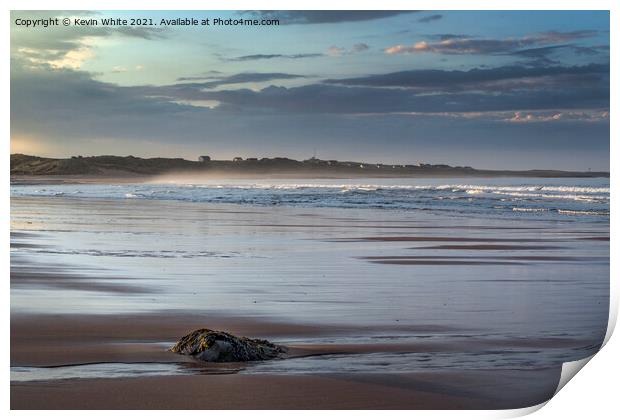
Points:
[(60, 340), (76, 339)]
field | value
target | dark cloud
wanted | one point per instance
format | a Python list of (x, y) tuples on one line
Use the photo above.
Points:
[(492, 79), (322, 98), (592, 50), (209, 75), (443, 37), (549, 55), (556, 36), (541, 52), (487, 46), (254, 57), (46, 91), (138, 32), (240, 78), (541, 56), (431, 18), (289, 17), (508, 88), (332, 51)]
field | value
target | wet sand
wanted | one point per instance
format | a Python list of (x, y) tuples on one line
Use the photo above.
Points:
[(456, 239), (55, 341), (60, 340), (96, 281), (493, 390)]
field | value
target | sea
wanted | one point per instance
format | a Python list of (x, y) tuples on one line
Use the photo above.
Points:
[(532, 197)]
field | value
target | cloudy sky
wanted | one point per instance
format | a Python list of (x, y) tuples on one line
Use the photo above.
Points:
[(487, 89)]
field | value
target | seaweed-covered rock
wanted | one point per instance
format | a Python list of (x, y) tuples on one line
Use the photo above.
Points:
[(219, 346)]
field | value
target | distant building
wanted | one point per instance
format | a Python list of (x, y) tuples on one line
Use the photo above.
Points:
[(204, 158), (252, 159), (237, 159)]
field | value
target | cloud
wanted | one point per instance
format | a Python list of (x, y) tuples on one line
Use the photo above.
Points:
[(72, 59), (443, 37), (431, 18), (45, 91), (543, 55), (507, 88), (326, 16), (68, 102), (138, 32), (236, 79), (486, 46), (493, 79), (68, 47), (556, 36), (561, 115), (537, 117), (254, 57), (335, 51), (326, 99)]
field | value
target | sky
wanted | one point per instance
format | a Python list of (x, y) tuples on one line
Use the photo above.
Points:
[(488, 89)]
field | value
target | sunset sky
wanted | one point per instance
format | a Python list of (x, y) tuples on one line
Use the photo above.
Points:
[(502, 90)]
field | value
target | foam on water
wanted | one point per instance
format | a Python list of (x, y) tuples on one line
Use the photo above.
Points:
[(96, 370), (407, 362), (576, 197)]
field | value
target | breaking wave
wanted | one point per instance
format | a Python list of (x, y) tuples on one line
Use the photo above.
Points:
[(525, 197)]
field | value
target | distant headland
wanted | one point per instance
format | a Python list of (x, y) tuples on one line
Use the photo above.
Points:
[(131, 166)]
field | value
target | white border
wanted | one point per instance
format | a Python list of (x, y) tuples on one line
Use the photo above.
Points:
[(592, 394)]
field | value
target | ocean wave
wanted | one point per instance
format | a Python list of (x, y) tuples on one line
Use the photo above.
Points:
[(527, 188), (464, 198), (587, 198), (575, 193), (529, 210), (584, 212), (370, 187)]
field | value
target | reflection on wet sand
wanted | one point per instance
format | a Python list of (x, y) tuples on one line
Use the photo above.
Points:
[(105, 282)]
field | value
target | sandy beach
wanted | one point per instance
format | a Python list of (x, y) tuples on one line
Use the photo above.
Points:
[(70, 340), (379, 309)]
